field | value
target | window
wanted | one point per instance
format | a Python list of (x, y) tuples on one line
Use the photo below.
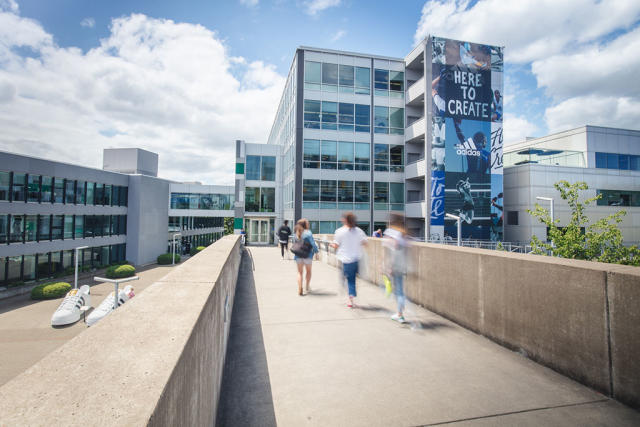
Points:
[(329, 76), (29, 268), (396, 81), (79, 227), (253, 168), (106, 225), (268, 168), (618, 198), (311, 153), (327, 227), (5, 183), (362, 117), (68, 227), (310, 190), (623, 162), (345, 155), (124, 194), (80, 192), (396, 158), (58, 190), (252, 199), (346, 78), (345, 191), (33, 188), (115, 199), (90, 193), (18, 189), (380, 195), (329, 115), (16, 230), (99, 194), (42, 270), (362, 156), (4, 228), (328, 155), (381, 119), (381, 79), (512, 217), (396, 196), (44, 228), (69, 192), (57, 227), (31, 228), (312, 74), (363, 81), (328, 190), (396, 120), (601, 160), (312, 114), (345, 117), (612, 161), (361, 193), (107, 195), (267, 199), (634, 163), (47, 190), (381, 157)]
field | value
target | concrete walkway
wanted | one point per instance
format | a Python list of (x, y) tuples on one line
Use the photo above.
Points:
[(310, 360)]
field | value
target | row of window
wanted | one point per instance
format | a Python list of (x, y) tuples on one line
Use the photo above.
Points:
[(26, 268), (186, 243), (618, 198), (22, 187), (329, 227), (351, 79), (260, 199), (343, 116), (41, 228), (617, 161), (261, 168), (345, 155), (346, 195), (202, 201), (179, 223)]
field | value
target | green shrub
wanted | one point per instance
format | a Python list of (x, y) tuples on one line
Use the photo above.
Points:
[(196, 250), (120, 271), (50, 290), (69, 271), (165, 259)]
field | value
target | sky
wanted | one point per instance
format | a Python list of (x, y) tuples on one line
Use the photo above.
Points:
[(186, 79)]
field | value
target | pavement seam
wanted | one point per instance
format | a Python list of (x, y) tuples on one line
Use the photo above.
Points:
[(523, 411)]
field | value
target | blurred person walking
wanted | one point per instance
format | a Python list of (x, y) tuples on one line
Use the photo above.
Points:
[(349, 240), (304, 248), (395, 260), (283, 238)]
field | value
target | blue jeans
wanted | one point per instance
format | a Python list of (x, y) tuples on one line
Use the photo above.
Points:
[(350, 270), (398, 290)]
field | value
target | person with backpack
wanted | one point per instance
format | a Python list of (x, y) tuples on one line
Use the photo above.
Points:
[(304, 248), (283, 237), (349, 240)]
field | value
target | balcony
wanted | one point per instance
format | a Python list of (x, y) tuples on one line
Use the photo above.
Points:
[(415, 93), (416, 169), (416, 209), (415, 131)]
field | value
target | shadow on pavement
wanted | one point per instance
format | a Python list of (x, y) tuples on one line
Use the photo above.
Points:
[(245, 394)]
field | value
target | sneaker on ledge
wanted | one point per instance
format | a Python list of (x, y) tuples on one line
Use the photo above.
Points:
[(69, 309), (106, 306)]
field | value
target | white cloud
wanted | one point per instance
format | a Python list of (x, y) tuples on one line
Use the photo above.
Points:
[(517, 129), (9, 5), (610, 111), (156, 84), (312, 7), (530, 29), (338, 35), (250, 3), (88, 22)]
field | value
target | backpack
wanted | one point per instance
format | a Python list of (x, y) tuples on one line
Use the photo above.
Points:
[(301, 248)]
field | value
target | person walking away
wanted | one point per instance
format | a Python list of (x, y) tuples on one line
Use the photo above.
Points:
[(303, 234), (395, 260), (348, 240), (283, 237)]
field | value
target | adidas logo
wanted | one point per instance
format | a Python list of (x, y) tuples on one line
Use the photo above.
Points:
[(467, 149)]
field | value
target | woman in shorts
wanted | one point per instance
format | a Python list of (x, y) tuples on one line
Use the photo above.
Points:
[(302, 232)]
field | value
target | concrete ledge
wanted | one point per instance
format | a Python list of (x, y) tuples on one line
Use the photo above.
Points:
[(159, 358), (578, 317)]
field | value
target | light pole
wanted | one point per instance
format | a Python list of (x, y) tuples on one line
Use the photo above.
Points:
[(115, 282), (75, 282), (173, 248), (457, 218), (550, 200)]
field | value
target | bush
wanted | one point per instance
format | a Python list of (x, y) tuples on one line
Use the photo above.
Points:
[(120, 263), (165, 259), (196, 250), (50, 290), (120, 271)]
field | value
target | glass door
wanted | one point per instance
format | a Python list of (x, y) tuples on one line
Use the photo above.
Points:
[(258, 230), (264, 231)]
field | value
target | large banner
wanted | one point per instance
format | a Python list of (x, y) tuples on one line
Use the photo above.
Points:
[(466, 139)]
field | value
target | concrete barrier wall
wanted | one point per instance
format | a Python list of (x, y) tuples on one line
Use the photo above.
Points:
[(157, 360), (580, 318)]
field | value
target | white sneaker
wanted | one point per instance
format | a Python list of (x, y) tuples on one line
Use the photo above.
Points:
[(106, 306), (69, 309), (398, 318)]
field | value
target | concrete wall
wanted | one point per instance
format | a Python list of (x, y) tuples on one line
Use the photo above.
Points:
[(157, 360), (580, 318)]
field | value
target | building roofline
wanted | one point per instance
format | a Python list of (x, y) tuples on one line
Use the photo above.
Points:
[(346, 52), (62, 163)]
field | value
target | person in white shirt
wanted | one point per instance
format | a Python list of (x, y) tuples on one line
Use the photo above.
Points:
[(349, 240), (395, 260)]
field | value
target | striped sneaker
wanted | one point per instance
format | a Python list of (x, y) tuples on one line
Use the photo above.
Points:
[(69, 309), (106, 306)]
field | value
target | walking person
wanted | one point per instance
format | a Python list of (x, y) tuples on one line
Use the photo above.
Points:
[(348, 240), (395, 260), (304, 249), (283, 238)]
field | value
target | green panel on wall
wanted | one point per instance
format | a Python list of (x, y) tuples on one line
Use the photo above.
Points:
[(240, 168), (237, 223)]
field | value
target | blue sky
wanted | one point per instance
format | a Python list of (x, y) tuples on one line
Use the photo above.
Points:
[(185, 79)]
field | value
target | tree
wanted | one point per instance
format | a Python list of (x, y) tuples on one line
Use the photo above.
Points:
[(600, 241), (228, 225)]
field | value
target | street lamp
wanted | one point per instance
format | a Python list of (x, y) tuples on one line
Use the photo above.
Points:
[(550, 200), (115, 282), (173, 248), (457, 218), (75, 282)]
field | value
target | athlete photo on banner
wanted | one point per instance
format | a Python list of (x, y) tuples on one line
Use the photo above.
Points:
[(438, 56), (496, 97), (467, 54), (468, 148), (438, 90), (497, 211), (497, 60), (438, 143), (471, 201)]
